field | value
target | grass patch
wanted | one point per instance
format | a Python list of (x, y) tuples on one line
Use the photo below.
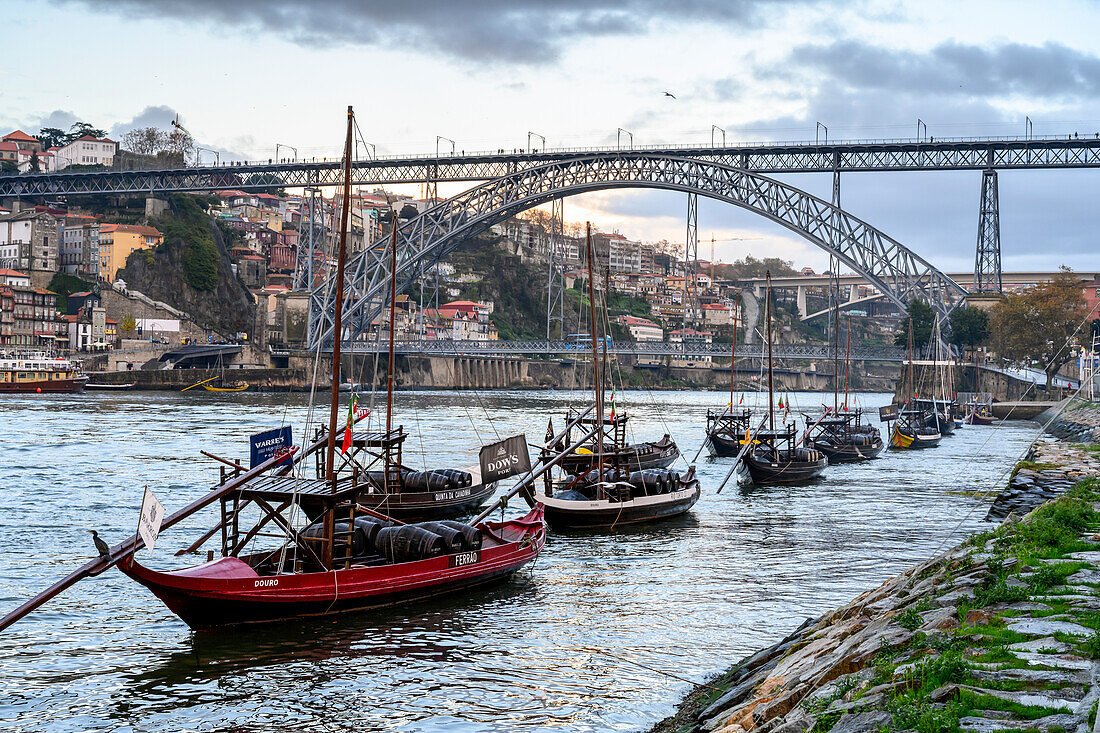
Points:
[(974, 701)]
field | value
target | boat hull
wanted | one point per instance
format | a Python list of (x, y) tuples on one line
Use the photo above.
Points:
[(565, 514), (724, 446), (783, 472), (417, 506), (648, 455), (208, 597), (848, 452), (903, 441), (44, 386), (975, 419)]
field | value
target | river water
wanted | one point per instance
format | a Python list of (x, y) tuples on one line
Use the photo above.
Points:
[(599, 634)]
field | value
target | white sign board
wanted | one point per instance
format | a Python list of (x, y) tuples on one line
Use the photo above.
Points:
[(152, 514)]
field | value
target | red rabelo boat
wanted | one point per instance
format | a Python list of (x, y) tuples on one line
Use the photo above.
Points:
[(348, 557)]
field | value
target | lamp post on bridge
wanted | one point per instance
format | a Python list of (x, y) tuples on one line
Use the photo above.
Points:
[(288, 147), (712, 129), (535, 134), (217, 155), (817, 132), (618, 136)]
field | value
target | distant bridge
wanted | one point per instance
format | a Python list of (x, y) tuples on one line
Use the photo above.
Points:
[(567, 349), (996, 153), (804, 282)]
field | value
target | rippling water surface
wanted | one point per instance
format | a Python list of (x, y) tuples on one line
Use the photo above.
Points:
[(585, 639)]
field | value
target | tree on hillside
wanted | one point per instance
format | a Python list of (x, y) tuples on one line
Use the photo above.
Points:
[(969, 326), (750, 267), (52, 137), (923, 319), (1040, 324), (35, 163), (80, 129), (145, 140)]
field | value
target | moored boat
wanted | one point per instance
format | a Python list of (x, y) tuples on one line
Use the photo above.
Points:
[(843, 438), (39, 373)]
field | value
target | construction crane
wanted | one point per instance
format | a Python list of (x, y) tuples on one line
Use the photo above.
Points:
[(730, 239)]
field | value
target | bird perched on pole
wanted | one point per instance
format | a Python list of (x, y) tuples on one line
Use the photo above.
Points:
[(103, 547)]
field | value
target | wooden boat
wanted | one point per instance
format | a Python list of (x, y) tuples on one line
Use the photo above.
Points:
[(634, 457), (911, 433), (726, 432), (776, 455), (608, 490), (238, 387), (39, 373), (937, 415), (348, 558), (404, 493), (843, 438), (94, 385), (979, 415), (840, 433), (234, 590)]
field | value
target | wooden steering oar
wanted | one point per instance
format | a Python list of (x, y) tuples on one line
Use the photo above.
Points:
[(741, 453), (133, 544), (196, 384)]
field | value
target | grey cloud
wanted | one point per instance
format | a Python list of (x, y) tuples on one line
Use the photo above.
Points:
[(1051, 70), (160, 116), (517, 31)]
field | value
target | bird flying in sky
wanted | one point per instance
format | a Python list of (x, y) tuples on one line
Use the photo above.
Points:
[(670, 94)]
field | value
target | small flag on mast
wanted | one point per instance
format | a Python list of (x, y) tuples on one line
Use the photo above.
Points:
[(354, 413)]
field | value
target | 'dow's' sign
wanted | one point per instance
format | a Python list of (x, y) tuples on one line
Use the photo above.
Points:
[(269, 444), (507, 458), (888, 413)]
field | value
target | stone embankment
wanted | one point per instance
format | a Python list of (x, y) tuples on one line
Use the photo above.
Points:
[(1051, 469), (999, 634)]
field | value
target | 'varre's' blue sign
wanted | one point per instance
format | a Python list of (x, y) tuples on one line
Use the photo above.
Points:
[(268, 444)]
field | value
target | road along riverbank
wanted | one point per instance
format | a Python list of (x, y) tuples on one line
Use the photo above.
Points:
[(1001, 633)]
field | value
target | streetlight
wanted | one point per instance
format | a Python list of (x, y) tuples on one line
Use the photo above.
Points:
[(217, 155), (535, 134), (1028, 128), (817, 132), (618, 135), (288, 147), (712, 129), (365, 144), (440, 137), (921, 125)]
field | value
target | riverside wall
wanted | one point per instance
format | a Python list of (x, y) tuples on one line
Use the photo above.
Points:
[(1001, 633)]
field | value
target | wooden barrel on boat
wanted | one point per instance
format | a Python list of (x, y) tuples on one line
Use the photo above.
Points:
[(407, 543), (453, 540), (471, 535)]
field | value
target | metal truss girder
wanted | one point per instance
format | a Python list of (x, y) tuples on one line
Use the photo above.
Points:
[(632, 348), (900, 274), (976, 154)]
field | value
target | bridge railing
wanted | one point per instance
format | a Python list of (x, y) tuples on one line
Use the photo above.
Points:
[(462, 348)]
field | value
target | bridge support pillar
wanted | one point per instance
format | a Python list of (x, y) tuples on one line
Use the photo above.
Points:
[(987, 259), (801, 300), (691, 263), (555, 292)]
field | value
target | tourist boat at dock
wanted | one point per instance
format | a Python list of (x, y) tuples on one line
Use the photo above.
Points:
[(347, 557), (607, 489), (39, 373)]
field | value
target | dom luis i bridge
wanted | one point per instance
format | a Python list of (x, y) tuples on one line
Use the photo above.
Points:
[(508, 183)]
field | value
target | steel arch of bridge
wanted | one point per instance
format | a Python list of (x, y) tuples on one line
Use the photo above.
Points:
[(900, 274)]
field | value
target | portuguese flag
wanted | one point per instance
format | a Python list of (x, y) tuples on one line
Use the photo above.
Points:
[(353, 412)]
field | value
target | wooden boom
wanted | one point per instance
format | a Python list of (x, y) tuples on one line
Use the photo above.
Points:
[(133, 544)]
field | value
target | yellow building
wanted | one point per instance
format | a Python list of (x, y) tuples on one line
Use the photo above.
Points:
[(117, 241)]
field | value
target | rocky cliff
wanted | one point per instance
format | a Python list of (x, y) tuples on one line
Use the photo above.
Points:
[(226, 308)]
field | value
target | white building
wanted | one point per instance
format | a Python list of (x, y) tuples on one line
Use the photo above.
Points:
[(641, 329), (29, 241), (86, 150), (11, 277), (79, 248)]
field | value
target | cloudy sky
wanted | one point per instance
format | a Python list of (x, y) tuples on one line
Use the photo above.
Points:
[(247, 74)]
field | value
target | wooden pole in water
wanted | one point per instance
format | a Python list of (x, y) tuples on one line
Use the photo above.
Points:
[(390, 360), (733, 354), (847, 359)]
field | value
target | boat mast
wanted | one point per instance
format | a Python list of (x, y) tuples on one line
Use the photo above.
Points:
[(909, 393), (337, 325), (733, 355), (389, 363), (847, 359), (768, 321), (596, 381), (836, 356)]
